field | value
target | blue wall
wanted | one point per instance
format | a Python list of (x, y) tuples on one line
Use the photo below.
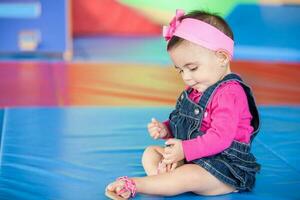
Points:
[(52, 24)]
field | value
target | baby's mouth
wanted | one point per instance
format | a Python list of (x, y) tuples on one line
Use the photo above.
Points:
[(194, 85)]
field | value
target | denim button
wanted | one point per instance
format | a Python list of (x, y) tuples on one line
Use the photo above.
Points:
[(196, 111)]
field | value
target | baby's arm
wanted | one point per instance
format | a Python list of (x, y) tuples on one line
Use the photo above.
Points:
[(225, 116), (157, 130)]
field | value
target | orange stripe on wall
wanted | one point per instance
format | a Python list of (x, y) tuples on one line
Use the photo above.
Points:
[(43, 83)]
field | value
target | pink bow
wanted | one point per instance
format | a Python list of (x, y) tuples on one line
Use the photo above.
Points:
[(168, 31)]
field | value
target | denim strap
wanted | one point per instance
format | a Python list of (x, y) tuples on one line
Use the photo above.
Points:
[(208, 94)]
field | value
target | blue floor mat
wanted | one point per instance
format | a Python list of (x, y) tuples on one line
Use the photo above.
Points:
[(73, 153)]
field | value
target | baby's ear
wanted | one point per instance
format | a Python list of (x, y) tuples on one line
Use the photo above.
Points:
[(223, 57)]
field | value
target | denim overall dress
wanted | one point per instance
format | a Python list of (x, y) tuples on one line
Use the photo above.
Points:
[(235, 166)]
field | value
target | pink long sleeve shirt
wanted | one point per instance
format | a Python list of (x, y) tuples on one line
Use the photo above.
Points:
[(226, 118)]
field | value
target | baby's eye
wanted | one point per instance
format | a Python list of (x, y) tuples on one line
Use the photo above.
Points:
[(179, 71), (194, 69)]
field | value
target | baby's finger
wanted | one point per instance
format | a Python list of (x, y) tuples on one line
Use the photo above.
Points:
[(156, 135), (167, 161), (174, 165), (154, 120), (167, 150), (167, 156), (151, 125), (160, 125), (169, 167), (154, 132), (155, 128)]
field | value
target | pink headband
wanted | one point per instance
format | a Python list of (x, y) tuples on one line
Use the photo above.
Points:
[(198, 32)]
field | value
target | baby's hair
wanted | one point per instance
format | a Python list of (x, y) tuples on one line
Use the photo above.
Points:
[(212, 19)]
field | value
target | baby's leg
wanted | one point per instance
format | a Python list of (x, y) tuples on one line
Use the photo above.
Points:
[(187, 178), (151, 158)]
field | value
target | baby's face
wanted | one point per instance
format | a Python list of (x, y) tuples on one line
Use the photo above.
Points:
[(198, 66)]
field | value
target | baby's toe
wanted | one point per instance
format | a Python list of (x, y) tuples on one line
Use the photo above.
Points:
[(118, 189), (112, 186), (126, 195)]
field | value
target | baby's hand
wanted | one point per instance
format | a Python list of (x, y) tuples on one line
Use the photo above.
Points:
[(173, 152), (165, 168), (157, 129)]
